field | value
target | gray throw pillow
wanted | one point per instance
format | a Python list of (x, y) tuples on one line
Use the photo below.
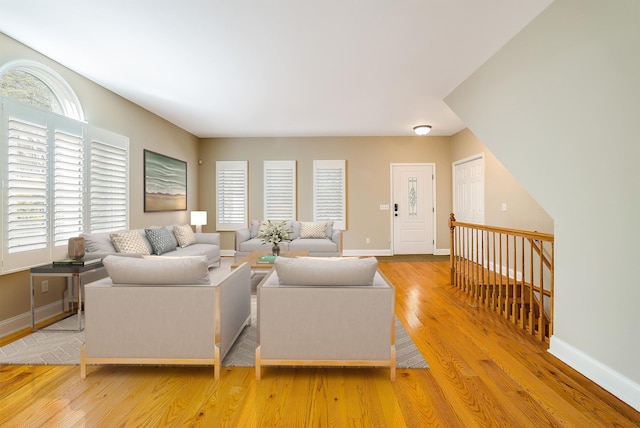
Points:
[(160, 239)]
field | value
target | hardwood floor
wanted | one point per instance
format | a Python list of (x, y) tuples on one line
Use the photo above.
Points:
[(483, 373)]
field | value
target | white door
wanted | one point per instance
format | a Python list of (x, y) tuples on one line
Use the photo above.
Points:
[(468, 189), (412, 208)]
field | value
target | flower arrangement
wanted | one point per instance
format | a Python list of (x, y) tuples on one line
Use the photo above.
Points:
[(274, 233)]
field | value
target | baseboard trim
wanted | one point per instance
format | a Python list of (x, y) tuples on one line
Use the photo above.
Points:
[(442, 252), (617, 384), (227, 253), (22, 321), (369, 253)]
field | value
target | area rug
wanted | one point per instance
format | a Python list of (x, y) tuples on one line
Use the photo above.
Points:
[(50, 347)]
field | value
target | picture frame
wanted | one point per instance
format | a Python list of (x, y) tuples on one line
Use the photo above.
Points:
[(165, 183)]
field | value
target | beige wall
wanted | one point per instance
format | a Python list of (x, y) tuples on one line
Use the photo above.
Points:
[(523, 212), (558, 105), (368, 175), (106, 110)]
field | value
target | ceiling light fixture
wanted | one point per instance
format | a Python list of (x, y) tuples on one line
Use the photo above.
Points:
[(422, 129)]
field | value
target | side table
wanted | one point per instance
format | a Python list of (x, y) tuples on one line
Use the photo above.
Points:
[(72, 273)]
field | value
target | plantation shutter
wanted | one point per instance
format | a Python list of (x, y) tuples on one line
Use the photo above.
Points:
[(108, 181), (280, 190), (68, 181), (329, 192), (231, 195), (27, 189)]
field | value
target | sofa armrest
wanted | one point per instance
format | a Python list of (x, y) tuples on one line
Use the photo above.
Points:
[(208, 238), (336, 237), (235, 306), (241, 236)]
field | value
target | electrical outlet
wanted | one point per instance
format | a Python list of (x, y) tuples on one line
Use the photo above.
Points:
[(368, 241), (45, 286)]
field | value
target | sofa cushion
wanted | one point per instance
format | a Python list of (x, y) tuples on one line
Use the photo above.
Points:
[(212, 252), (256, 244), (326, 270), (184, 235), (129, 242), (294, 227), (98, 242), (314, 245), (253, 230), (157, 270), (313, 230), (160, 239)]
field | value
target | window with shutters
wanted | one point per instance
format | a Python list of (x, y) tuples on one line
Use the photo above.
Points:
[(329, 192), (231, 195), (49, 190), (280, 190), (108, 181)]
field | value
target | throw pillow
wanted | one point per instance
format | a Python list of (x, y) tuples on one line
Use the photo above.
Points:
[(329, 229), (129, 243), (184, 235), (161, 240), (313, 230)]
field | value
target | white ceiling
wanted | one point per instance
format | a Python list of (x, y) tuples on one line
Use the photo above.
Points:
[(276, 67)]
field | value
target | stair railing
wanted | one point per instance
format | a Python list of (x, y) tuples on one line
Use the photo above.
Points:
[(509, 271)]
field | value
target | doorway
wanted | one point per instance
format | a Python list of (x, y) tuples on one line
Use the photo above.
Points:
[(413, 208)]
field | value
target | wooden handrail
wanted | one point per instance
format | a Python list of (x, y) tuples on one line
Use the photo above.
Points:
[(507, 270), (538, 236)]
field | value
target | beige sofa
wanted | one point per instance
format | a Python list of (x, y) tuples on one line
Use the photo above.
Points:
[(325, 312), (329, 245), (163, 311), (100, 245)]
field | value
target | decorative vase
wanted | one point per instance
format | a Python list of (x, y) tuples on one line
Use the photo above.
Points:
[(275, 250), (75, 248)]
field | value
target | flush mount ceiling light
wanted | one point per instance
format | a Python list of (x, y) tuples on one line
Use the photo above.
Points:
[(422, 129)]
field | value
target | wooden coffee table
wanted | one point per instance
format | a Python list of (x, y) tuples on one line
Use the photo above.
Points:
[(252, 259)]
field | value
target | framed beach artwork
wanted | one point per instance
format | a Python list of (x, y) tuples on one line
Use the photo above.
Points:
[(165, 183)]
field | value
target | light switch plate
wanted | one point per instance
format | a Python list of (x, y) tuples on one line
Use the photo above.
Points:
[(384, 207)]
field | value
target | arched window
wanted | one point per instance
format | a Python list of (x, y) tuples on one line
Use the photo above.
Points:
[(61, 177), (36, 85)]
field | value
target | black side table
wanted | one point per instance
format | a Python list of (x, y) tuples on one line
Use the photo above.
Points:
[(74, 273)]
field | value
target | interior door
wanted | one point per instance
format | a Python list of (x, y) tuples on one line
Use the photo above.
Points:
[(468, 189), (413, 208)]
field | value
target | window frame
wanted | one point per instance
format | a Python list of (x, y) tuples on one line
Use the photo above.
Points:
[(280, 190), (336, 170), (67, 147), (237, 174)]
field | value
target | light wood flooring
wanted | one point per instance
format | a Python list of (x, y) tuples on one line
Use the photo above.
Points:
[(483, 373)]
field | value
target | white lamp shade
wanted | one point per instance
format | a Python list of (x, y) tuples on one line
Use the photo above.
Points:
[(198, 218)]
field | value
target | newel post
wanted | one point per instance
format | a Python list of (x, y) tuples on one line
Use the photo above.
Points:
[(452, 248)]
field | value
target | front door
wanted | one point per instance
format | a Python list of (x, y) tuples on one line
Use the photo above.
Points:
[(412, 208)]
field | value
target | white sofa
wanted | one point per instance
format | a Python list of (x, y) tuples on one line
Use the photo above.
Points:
[(100, 245), (163, 311), (325, 312), (329, 245)]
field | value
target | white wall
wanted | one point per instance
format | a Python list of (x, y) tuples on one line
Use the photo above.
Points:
[(559, 107)]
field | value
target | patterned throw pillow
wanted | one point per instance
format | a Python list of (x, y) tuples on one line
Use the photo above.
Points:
[(129, 243), (314, 230), (161, 240), (184, 235)]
